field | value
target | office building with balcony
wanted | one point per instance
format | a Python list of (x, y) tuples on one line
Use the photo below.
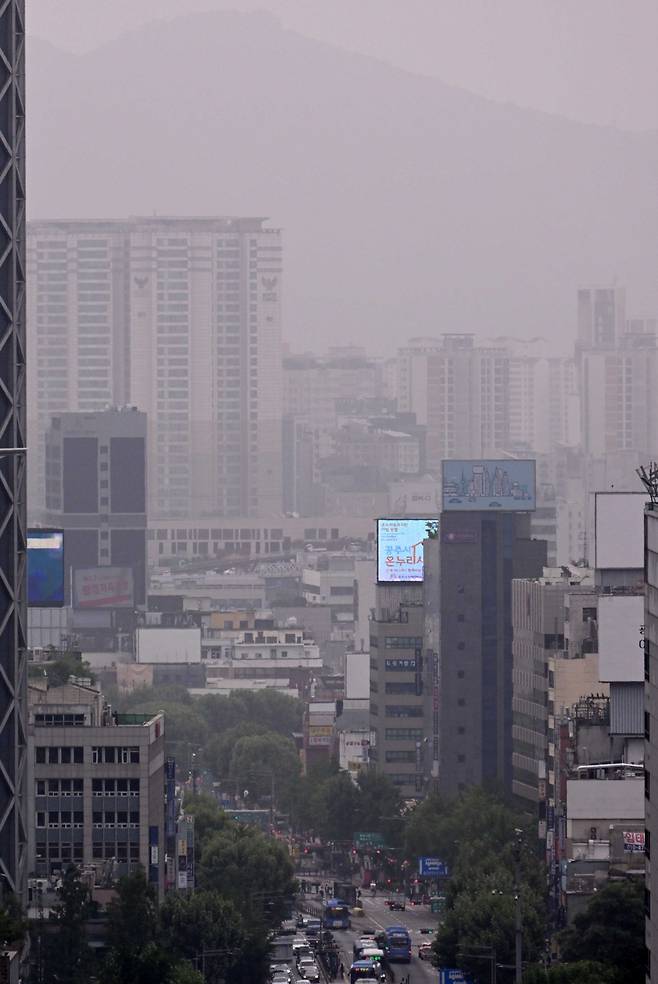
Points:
[(96, 783)]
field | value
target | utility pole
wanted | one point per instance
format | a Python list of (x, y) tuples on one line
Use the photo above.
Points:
[(518, 919)]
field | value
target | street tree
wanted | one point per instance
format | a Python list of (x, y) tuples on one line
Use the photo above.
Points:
[(207, 929), (582, 972), (266, 764), (611, 931), (253, 871), (66, 955)]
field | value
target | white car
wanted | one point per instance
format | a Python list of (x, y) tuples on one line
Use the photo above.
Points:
[(309, 970)]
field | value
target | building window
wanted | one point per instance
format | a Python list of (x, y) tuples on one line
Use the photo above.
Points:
[(403, 710), (647, 784)]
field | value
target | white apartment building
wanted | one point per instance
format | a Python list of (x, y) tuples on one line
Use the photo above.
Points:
[(77, 327), (181, 317), (460, 392), (544, 407)]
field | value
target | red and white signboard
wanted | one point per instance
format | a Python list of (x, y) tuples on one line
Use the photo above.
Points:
[(103, 587), (634, 841)]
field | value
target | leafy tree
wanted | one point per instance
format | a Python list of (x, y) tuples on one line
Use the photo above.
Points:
[(380, 806), (208, 817), (59, 670), (184, 973), (611, 931), (67, 956), (13, 924), (133, 954), (251, 870), (582, 972), (266, 763), (484, 917), (218, 750), (337, 806), (207, 923), (267, 708)]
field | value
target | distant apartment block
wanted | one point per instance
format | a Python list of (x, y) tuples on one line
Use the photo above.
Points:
[(459, 392), (180, 317)]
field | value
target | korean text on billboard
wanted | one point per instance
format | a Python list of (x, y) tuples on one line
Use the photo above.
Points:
[(400, 549)]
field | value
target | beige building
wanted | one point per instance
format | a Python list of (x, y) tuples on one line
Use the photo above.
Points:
[(96, 782)]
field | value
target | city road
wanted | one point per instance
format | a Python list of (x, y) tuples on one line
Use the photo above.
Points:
[(377, 916)]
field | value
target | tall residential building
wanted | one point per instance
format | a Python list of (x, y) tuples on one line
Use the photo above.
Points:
[(317, 389), (619, 401), (543, 396), (96, 782), (459, 392), (96, 493), (13, 547), (601, 317), (651, 735), (205, 361), (180, 317), (78, 319)]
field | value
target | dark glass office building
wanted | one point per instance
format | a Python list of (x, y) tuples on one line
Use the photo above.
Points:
[(480, 554), (96, 492)]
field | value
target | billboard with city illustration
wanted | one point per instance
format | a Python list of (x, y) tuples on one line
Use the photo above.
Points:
[(400, 549), (505, 484)]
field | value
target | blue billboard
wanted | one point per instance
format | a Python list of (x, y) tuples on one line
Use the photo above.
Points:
[(508, 484), (400, 549), (449, 975), (432, 867), (45, 568)]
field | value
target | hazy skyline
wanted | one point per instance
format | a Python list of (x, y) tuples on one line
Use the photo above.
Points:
[(409, 206), (592, 61)]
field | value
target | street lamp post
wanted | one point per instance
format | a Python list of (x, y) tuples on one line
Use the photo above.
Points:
[(518, 918)]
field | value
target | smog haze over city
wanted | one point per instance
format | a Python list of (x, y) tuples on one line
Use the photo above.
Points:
[(328, 491)]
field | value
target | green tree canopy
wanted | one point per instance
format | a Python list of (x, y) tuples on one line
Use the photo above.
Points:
[(582, 972), (611, 931), (58, 671), (13, 923), (268, 708), (253, 871), (219, 748), (264, 763), (208, 929), (67, 956)]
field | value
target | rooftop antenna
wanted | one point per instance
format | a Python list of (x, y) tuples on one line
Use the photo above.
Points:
[(650, 480)]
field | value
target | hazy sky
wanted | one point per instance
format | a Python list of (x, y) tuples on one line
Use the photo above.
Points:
[(593, 60)]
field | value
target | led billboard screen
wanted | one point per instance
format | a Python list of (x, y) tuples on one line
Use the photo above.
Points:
[(507, 484), (400, 549), (45, 568), (103, 587)]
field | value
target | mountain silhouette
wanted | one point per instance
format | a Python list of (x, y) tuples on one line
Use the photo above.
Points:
[(409, 207)]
